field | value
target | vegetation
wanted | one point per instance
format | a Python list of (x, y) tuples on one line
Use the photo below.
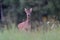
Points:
[(12, 13), (14, 10), (14, 34)]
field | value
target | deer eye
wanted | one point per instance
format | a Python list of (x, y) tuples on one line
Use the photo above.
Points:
[(29, 15)]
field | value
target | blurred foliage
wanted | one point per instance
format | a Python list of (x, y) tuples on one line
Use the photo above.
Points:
[(16, 8)]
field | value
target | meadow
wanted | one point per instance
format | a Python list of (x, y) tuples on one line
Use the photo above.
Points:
[(14, 34)]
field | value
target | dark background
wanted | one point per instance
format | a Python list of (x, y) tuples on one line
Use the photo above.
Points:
[(13, 10)]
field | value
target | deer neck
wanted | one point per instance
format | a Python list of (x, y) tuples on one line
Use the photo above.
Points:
[(28, 19)]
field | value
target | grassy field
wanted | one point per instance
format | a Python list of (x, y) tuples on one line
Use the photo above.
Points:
[(14, 34)]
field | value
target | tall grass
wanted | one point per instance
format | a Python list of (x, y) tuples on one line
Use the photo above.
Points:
[(14, 34)]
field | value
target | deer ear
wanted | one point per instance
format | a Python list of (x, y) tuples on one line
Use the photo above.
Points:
[(25, 9), (30, 9)]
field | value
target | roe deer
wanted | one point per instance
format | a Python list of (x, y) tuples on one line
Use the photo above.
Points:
[(26, 25)]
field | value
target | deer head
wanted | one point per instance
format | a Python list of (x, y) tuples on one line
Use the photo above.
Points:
[(28, 11)]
